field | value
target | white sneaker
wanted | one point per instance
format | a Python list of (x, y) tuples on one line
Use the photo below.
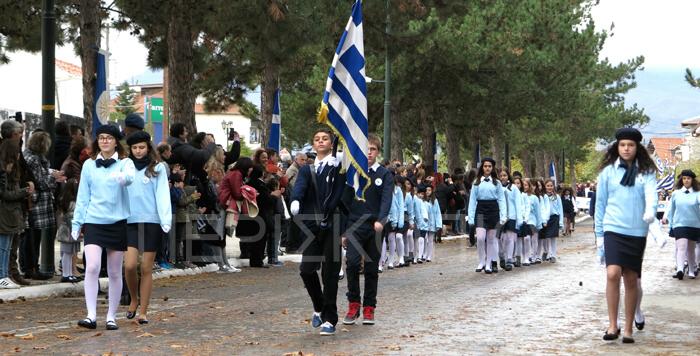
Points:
[(228, 269), (7, 283)]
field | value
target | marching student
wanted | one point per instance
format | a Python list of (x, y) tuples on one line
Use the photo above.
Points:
[(514, 215), (409, 222), (396, 223), (434, 222), (316, 195), (540, 245), (568, 200), (487, 209), (532, 223), (151, 216), (626, 203), (684, 218), (522, 244), (367, 220), (102, 209), (554, 221), (420, 208)]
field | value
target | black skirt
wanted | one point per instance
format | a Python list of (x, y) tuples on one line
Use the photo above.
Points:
[(145, 237), (487, 214), (404, 229), (624, 251), (684, 232), (552, 229), (525, 230), (510, 226), (108, 236)]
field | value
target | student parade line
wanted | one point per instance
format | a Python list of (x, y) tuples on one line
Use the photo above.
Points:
[(77, 289)]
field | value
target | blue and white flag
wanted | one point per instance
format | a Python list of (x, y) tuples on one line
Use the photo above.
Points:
[(344, 105), (553, 173), (101, 100), (435, 153), (477, 154), (660, 166), (276, 124), (665, 183)]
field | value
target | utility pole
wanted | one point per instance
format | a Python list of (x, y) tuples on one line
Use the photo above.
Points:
[(48, 92), (387, 90)]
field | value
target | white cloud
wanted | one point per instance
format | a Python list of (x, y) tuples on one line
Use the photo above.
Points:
[(663, 31)]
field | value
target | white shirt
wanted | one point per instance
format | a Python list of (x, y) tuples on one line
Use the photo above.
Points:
[(374, 167)]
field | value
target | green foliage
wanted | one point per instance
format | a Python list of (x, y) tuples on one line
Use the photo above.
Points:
[(246, 151), (588, 169), (125, 99)]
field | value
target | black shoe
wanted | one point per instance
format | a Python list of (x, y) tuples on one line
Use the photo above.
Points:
[(609, 337), (495, 270), (69, 279), (503, 263), (130, 314), (87, 323), (143, 321), (627, 340), (640, 326), (494, 265), (679, 275), (479, 269), (508, 267), (111, 325), (488, 271)]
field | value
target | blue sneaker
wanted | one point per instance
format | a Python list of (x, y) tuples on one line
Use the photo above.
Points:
[(316, 320), (165, 265), (327, 329)]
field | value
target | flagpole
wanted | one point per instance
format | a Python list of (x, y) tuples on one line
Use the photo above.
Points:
[(387, 90)]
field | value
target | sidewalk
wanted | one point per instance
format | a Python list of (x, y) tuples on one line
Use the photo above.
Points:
[(53, 287)]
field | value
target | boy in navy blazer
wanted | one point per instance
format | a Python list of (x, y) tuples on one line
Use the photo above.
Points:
[(315, 199), (363, 238)]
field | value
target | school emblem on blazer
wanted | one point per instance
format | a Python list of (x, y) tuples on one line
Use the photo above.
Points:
[(146, 180), (378, 182)]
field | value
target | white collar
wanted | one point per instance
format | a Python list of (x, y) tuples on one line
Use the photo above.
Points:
[(375, 166), (689, 190), (483, 178), (115, 156)]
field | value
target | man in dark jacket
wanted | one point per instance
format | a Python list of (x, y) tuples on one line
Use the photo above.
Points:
[(62, 144), (186, 155)]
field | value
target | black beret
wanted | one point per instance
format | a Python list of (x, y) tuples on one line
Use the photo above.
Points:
[(489, 159), (109, 130), (134, 120), (628, 133), (688, 173), (422, 188), (138, 137)]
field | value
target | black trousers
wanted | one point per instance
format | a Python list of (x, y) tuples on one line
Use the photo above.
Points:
[(363, 241), (29, 251), (322, 251)]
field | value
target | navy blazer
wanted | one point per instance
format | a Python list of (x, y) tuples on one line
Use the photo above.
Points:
[(377, 198), (322, 199)]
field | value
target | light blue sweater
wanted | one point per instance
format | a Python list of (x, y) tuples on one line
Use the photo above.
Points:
[(409, 201), (621, 209), (685, 209), (534, 212), (397, 208), (149, 198), (422, 214), (102, 194), (514, 204), (487, 191), (434, 216), (553, 207)]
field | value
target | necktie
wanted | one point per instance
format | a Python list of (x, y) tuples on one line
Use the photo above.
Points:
[(105, 162), (687, 191), (319, 169), (487, 179)]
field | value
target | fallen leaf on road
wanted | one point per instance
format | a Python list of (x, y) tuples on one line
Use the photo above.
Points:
[(19, 317), (146, 335), (17, 349), (285, 311), (97, 334), (64, 337), (27, 337), (165, 299), (40, 347), (394, 347), (172, 315), (252, 343), (176, 346), (46, 321), (6, 334)]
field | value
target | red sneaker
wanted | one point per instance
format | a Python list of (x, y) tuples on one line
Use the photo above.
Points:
[(353, 313), (368, 315)]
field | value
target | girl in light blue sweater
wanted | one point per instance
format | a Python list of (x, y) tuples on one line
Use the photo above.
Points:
[(409, 221), (102, 208), (434, 222), (421, 223), (684, 218), (151, 216), (396, 223)]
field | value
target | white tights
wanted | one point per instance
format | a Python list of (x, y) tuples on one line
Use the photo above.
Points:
[(66, 264), (93, 263), (429, 245)]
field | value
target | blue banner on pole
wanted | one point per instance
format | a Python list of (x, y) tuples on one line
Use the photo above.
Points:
[(276, 125), (100, 109)]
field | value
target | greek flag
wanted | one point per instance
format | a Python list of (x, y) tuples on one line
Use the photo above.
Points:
[(344, 105), (665, 183), (553, 173), (660, 166), (101, 102), (276, 124)]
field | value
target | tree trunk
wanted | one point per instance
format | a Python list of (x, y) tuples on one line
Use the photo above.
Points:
[(181, 66), (496, 149), (572, 172), (539, 158), (396, 148), (527, 165), (454, 159), (267, 88), (89, 43), (427, 130)]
